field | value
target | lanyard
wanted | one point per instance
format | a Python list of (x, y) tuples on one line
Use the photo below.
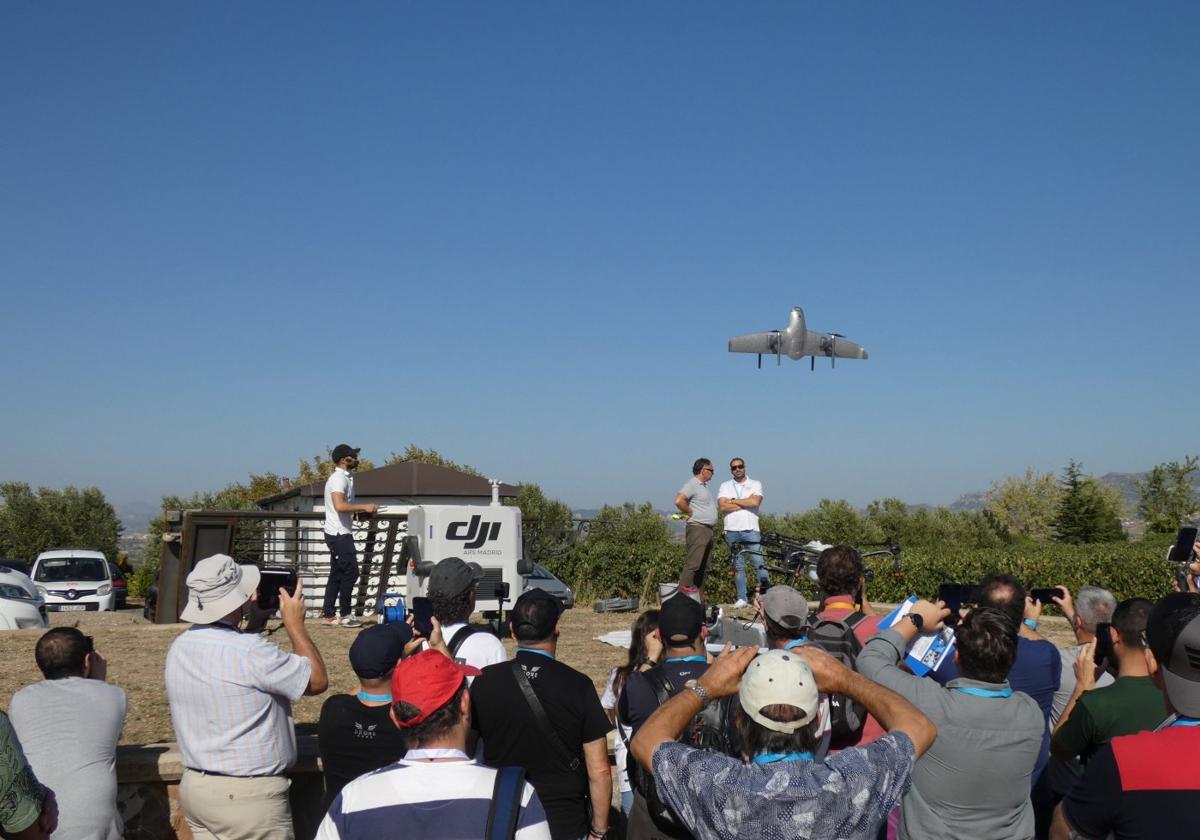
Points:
[(1186, 721), (696, 658), (374, 698), (983, 692), (544, 653), (775, 758), (431, 754), (796, 643), (833, 604)]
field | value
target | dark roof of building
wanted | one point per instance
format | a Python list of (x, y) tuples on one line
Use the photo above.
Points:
[(408, 478)]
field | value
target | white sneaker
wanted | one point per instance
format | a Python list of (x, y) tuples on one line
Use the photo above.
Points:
[(740, 604)]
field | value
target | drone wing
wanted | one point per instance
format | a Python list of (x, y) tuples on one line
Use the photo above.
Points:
[(765, 343), (833, 346)]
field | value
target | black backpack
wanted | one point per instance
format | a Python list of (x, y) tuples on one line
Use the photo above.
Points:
[(846, 716), (708, 730), (465, 632)]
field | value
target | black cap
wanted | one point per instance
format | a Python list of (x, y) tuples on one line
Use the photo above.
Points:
[(453, 576), (680, 620), (343, 450), (378, 648), (534, 615)]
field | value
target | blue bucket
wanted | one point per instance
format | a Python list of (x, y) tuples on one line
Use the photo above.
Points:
[(392, 608)]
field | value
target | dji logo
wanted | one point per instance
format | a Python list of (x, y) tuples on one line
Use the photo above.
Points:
[(475, 535)]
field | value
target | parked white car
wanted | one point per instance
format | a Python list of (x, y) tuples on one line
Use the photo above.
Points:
[(74, 579), (20, 605)]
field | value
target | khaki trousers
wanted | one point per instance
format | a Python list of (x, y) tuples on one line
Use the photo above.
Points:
[(232, 808), (698, 541)]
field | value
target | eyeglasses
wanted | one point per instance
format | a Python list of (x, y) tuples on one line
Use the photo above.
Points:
[(709, 468), (737, 466)]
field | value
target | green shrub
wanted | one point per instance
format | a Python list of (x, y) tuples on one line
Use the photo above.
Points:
[(630, 551), (142, 579), (1125, 569)]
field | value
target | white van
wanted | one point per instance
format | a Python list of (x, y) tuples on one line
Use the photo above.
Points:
[(20, 605), (74, 579)]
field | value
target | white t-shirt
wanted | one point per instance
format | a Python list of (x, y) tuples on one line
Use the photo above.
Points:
[(608, 701), (745, 519), (478, 650), (338, 522)]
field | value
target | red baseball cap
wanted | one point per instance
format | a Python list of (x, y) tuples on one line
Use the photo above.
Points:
[(427, 680)]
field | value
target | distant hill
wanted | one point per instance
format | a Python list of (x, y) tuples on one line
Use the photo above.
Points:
[(136, 516), (1125, 483)]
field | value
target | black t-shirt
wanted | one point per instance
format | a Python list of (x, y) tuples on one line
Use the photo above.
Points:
[(502, 717), (639, 700), (355, 739), (1140, 786)]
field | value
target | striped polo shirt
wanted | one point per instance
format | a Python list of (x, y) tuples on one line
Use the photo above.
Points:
[(231, 700), (449, 800)]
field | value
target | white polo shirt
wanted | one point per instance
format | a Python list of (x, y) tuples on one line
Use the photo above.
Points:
[(338, 522), (745, 519)]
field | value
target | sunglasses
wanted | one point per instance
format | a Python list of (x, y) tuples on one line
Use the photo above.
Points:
[(737, 466)]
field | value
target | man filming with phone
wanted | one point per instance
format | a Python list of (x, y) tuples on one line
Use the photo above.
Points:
[(1094, 716), (231, 693)]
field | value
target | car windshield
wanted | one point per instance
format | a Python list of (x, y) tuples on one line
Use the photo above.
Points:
[(71, 568)]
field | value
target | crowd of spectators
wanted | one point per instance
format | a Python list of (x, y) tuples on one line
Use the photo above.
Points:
[(446, 736)]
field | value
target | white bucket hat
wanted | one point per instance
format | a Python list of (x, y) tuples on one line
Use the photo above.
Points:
[(216, 587), (779, 677)]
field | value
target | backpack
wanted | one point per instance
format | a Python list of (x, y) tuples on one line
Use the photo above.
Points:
[(846, 716), (709, 730), (464, 633)]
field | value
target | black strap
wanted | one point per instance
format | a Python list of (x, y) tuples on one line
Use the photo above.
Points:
[(460, 636), (506, 803), (543, 722)]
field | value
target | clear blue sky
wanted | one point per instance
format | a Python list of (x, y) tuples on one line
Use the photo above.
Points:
[(234, 234)]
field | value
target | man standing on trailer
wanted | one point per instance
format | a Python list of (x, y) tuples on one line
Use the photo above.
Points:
[(339, 536), (739, 499), (696, 501)]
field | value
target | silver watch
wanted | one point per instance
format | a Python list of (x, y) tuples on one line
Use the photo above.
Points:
[(700, 690)]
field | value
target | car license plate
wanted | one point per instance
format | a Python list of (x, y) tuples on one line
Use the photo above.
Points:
[(73, 607)]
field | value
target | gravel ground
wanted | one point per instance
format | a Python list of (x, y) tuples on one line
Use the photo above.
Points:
[(136, 651)]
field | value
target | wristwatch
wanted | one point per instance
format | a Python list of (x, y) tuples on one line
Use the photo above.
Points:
[(918, 621), (700, 690)]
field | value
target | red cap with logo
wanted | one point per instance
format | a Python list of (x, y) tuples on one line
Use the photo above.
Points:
[(427, 680)]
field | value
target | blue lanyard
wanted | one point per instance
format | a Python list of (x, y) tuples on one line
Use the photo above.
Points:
[(775, 758), (696, 658), (1186, 721), (374, 698), (983, 692), (796, 643), (544, 653)]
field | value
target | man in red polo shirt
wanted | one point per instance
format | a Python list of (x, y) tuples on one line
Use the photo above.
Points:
[(1146, 785), (843, 583)]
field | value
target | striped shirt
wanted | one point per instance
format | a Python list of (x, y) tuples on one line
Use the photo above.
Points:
[(448, 800), (231, 699)]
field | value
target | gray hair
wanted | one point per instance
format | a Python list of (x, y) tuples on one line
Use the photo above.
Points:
[(1094, 605)]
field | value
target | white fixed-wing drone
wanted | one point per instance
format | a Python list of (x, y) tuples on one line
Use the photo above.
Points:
[(796, 341)]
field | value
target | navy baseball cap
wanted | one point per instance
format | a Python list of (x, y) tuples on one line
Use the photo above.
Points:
[(378, 648)]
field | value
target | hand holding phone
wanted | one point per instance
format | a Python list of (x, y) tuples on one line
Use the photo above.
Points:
[(1045, 595), (1104, 648), (422, 613), (271, 580)]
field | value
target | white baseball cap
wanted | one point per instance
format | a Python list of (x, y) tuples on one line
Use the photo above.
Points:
[(779, 677)]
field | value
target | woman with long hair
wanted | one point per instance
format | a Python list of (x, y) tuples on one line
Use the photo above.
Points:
[(645, 651)]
